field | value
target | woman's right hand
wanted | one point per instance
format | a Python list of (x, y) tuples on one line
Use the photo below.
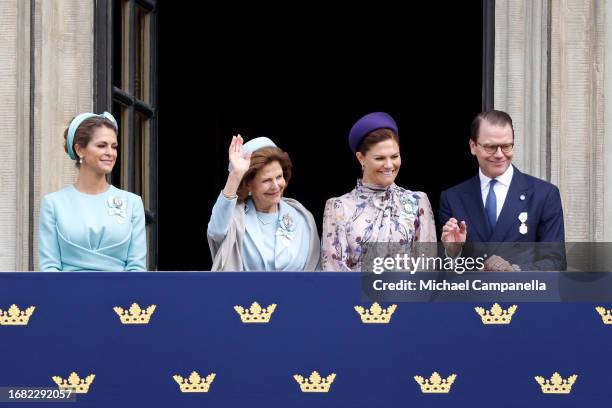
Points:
[(240, 163)]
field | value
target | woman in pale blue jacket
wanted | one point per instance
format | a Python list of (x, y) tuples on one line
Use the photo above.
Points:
[(252, 226), (92, 225)]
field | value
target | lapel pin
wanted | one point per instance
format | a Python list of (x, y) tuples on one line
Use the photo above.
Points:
[(522, 197)]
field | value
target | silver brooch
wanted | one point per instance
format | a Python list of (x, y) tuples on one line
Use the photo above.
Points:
[(116, 207), (288, 223), (286, 229)]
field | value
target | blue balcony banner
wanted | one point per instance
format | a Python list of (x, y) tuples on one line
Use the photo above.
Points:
[(85, 323)]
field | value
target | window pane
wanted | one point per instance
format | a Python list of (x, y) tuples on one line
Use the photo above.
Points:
[(120, 38), (143, 60), (141, 168), (141, 157)]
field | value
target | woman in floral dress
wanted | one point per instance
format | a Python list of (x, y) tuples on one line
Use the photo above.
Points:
[(377, 210)]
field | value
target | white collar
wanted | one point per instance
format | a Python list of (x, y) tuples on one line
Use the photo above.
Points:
[(505, 178)]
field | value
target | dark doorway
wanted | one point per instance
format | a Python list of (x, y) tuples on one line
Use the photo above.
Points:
[(302, 80)]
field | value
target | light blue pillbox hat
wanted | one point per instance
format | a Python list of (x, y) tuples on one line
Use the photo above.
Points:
[(253, 145)]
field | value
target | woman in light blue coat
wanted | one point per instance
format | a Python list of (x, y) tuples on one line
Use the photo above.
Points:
[(252, 226), (92, 225)]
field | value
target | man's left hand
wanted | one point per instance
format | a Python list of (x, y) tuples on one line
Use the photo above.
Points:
[(497, 264)]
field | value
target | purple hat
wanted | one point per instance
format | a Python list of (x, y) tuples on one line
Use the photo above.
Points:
[(369, 123)]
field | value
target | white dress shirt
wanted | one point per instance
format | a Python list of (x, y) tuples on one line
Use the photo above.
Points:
[(500, 188)]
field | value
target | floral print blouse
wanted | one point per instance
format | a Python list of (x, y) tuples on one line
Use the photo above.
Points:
[(372, 213)]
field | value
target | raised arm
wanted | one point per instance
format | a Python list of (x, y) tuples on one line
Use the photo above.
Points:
[(221, 216)]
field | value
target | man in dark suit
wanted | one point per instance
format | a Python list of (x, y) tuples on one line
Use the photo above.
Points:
[(502, 205)]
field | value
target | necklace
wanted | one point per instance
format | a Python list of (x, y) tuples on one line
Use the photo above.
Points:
[(272, 219)]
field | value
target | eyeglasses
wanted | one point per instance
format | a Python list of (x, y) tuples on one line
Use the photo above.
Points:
[(492, 149)]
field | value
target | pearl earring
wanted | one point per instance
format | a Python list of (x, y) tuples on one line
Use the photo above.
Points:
[(80, 160)]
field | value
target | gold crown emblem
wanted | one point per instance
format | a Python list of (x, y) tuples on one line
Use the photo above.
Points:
[(135, 315), (606, 314), (496, 315), (255, 314), (75, 383), (376, 314), (435, 384), (15, 316), (315, 383), (195, 383), (556, 384)]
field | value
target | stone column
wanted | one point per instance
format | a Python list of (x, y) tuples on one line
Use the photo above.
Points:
[(64, 88), (521, 74), (549, 75), (607, 146), (14, 134), (577, 114)]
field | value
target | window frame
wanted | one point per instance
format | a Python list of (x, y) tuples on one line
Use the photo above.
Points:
[(106, 94)]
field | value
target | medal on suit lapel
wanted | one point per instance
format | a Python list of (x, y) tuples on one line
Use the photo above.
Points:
[(523, 218)]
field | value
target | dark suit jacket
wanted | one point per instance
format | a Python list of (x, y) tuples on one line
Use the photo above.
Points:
[(542, 203)]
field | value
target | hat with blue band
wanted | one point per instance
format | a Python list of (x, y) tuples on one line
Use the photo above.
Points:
[(76, 122)]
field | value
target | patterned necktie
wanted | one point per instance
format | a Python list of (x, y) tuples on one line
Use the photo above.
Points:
[(491, 205)]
